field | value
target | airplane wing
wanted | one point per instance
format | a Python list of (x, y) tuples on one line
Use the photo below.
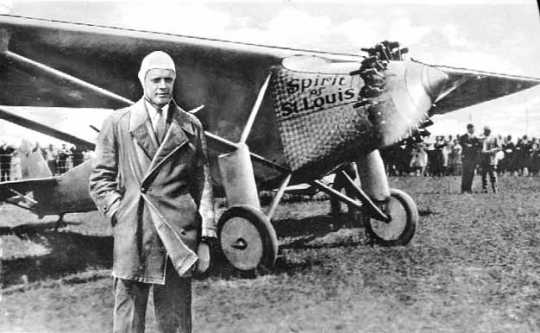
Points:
[(469, 87), (53, 63)]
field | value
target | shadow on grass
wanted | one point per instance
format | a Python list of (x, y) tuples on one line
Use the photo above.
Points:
[(426, 212), (306, 233), (315, 226), (69, 253), (223, 270), (29, 229)]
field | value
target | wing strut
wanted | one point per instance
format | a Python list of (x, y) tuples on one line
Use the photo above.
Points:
[(41, 128), (27, 62), (255, 110)]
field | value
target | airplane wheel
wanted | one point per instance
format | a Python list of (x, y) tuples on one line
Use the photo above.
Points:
[(400, 230), (247, 239)]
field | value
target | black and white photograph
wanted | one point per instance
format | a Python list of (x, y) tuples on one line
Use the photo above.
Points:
[(269, 166)]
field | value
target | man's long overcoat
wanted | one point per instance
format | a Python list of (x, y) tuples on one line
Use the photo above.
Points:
[(158, 196)]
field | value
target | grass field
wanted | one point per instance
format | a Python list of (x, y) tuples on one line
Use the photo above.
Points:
[(473, 266)]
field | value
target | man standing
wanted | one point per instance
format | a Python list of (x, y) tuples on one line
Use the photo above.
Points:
[(150, 177), (6, 152), (509, 152), (63, 154), (470, 145), (488, 161), (76, 155), (50, 156)]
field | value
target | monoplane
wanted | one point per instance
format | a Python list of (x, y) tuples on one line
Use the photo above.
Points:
[(273, 116)]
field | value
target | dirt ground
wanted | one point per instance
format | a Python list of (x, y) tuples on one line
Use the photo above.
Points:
[(473, 266)]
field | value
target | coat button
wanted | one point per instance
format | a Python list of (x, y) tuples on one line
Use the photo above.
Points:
[(144, 189)]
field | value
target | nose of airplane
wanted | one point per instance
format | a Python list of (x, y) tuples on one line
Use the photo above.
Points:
[(434, 81), (412, 88)]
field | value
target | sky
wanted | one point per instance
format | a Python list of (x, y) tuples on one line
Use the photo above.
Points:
[(498, 36)]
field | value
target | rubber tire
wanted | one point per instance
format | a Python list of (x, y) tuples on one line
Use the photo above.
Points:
[(266, 241), (412, 217)]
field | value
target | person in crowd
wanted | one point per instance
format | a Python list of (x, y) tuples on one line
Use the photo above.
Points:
[(76, 155), (499, 156), (446, 149), (6, 153), (455, 158), (429, 147), (488, 159), (508, 164), (63, 154), (51, 156), (534, 157), (16, 167), (437, 156), (471, 146), (522, 151), (419, 159)]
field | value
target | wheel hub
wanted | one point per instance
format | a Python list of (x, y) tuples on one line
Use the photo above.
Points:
[(239, 244)]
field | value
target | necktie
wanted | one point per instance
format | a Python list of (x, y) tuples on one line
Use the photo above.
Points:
[(161, 125)]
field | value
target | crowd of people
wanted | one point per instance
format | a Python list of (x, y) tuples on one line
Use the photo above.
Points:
[(465, 154), (59, 159), (442, 156)]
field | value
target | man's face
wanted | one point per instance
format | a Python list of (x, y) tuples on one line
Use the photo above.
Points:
[(487, 132), (158, 86), (470, 129)]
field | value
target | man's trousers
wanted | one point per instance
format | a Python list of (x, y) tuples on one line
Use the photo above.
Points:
[(467, 175), (172, 304), (491, 171)]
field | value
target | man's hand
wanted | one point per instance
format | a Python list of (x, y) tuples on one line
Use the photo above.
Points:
[(203, 252)]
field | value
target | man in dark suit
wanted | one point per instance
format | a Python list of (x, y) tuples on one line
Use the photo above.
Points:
[(471, 146), (150, 177), (6, 153)]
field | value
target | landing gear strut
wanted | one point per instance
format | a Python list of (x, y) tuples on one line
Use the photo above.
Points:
[(247, 239), (399, 207), (388, 215)]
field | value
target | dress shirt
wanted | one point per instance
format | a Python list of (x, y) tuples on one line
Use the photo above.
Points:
[(154, 115)]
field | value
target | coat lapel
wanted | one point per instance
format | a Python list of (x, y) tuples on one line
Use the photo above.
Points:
[(179, 132), (141, 129)]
